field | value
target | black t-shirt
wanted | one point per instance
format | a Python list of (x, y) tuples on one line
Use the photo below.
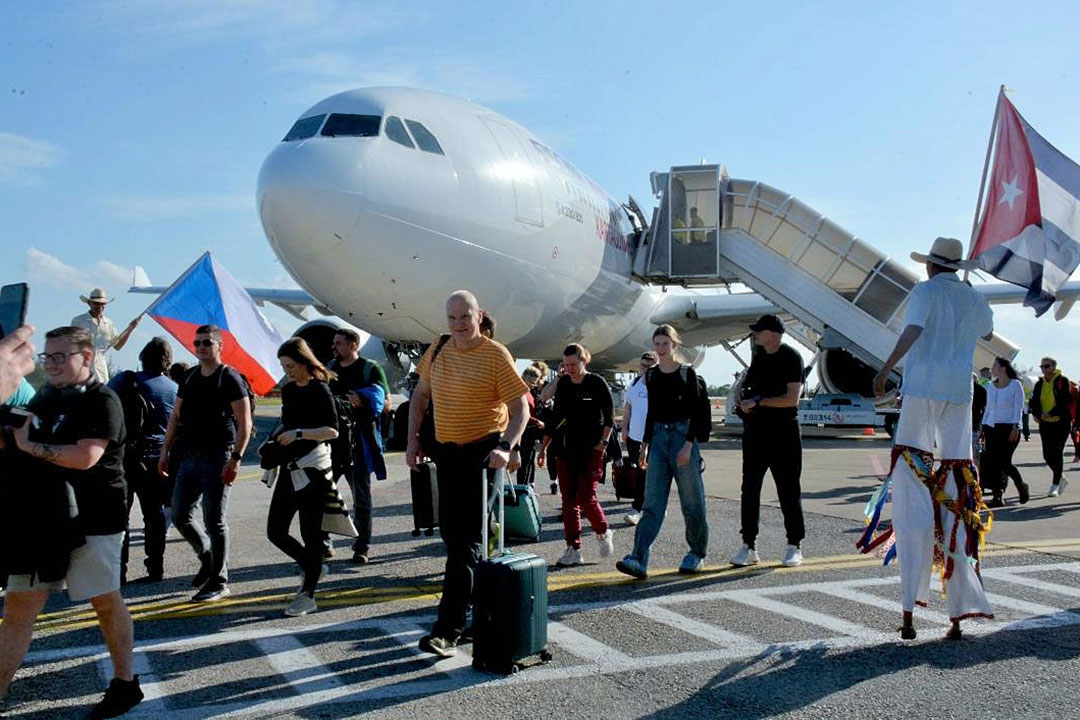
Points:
[(308, 406), (206, 422), (350, 378), (768, 376), (90, 411), (671, 398), (586, 408)]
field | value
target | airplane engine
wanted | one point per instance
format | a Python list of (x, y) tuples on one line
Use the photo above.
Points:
[(841, 372), (319, 334)]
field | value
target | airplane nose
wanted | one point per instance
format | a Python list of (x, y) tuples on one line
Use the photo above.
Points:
[(308, 197)]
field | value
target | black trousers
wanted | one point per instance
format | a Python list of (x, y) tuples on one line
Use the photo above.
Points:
[(284, 505), (774, 445), (633, 455), (154, 493), (461, 471), (997, 465), (1053, 436)]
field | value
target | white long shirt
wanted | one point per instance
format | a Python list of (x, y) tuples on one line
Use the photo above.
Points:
[(1004, 405), (953, 316), (102, 334)]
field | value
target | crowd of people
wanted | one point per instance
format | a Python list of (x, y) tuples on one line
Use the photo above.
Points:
[(173, 437)]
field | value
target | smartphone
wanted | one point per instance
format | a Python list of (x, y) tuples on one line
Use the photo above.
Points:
[(13, 300)]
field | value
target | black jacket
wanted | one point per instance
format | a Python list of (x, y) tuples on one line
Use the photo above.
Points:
[(1062, 399)]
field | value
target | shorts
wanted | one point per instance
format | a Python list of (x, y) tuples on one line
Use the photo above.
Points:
[(94, 570), (939, 427)]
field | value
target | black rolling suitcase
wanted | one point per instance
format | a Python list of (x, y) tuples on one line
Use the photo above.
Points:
[(510, 603), (425, 498)]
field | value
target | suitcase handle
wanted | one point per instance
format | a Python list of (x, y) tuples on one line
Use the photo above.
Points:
[(500, 479)]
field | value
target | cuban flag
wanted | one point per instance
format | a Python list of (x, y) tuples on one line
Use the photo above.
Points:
[(1029, 234), (206, 294)]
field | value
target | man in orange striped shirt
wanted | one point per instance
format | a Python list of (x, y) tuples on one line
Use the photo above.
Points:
[(480, 412)]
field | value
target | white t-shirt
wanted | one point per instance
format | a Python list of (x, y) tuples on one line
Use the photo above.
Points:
[(953, 316), (637, 397), (1004, 405)]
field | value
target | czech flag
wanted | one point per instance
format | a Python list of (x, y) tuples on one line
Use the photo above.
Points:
[(1029, 234), (206, 294)]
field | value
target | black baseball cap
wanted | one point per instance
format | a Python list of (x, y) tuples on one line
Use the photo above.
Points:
[(768, 322)]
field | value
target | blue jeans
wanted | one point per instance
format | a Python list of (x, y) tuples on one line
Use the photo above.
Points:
[(200, 476), (667, 440)]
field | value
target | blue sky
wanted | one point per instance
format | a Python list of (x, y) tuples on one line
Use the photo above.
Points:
[(132, 132)]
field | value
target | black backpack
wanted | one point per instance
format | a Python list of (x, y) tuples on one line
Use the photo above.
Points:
[(137, 407), (428, 441), (701, 414)]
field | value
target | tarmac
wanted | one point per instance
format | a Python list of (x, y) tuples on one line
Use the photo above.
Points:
[(816, 641)]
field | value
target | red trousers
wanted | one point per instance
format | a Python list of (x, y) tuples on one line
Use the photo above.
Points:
[(577, 483)]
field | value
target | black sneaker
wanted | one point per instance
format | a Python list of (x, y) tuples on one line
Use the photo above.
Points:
[(443, 647), (203, 575), (120, 696), (211, 592), (360, 557)]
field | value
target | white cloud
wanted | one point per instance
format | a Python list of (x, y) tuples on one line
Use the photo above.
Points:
[(462, 76), (21, 158), (276, 22), (45, 269), (142, 208)]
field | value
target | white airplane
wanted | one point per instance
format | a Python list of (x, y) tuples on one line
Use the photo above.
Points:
[(380, 202)]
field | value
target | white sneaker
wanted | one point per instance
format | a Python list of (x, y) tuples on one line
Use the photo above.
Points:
[(633, 517), (607, 549), (302, 604), (1064, 484), (792, 556), (571, 556), (745, 557), (1055, 490)]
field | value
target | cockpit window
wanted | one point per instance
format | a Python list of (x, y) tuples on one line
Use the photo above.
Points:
[(424, 138), (396, 132), (345, 125), (304, 128)]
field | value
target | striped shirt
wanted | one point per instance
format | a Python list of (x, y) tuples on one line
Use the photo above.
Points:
[(470, 390)]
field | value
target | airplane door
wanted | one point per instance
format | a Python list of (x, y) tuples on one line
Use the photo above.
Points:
[(529, 204)]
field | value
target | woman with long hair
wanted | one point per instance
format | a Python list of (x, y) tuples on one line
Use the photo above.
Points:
[(1001, 423), (670, 451), (308, 424)]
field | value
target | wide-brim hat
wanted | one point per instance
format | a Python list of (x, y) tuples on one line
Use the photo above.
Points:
[(97, 295), (946, 252)]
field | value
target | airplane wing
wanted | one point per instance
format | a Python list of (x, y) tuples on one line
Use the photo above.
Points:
[(711, 319), (1003, 293), (294, 302)]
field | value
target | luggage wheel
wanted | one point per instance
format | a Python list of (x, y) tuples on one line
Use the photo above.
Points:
[(545, 656), (416, 532)]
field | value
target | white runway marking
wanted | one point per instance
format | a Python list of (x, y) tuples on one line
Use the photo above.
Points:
[(391, 666)]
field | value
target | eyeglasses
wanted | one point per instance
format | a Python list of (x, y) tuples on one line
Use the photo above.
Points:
[(1046, 367), (56, 358), (202, 343)]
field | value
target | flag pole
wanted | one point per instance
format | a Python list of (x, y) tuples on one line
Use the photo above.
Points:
[(986, 168)]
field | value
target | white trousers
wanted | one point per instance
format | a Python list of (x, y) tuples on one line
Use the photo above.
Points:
[(944, 430)]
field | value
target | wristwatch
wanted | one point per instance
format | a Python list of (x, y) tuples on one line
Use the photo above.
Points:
[(299, 434), (504, 445), (235, 456)]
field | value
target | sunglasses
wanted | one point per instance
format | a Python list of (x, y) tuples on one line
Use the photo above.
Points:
[(1046, 367), (203, 343)]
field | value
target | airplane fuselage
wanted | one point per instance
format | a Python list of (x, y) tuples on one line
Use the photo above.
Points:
[(381, 233)]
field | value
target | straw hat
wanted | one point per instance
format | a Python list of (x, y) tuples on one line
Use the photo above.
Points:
[(97, 295), (946, 252)]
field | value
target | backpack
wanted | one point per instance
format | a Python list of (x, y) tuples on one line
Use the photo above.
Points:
[(137, 407), (428, 441), (701, 412)]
